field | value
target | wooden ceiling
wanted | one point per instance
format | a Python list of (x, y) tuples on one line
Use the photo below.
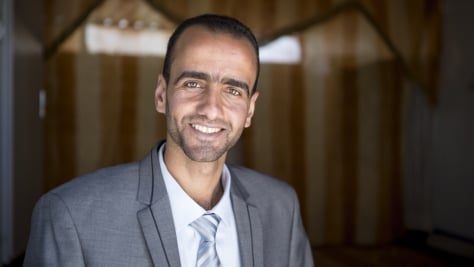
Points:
[(267, 18)]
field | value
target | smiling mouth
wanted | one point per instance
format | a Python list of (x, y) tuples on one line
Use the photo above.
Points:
[(204, 129)]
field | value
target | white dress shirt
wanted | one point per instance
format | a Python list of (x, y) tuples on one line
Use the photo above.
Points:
[(185, 210)]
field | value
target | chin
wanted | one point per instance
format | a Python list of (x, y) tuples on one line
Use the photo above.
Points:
[(204, 154)]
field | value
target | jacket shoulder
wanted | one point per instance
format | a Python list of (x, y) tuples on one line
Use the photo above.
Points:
[(103, 183)]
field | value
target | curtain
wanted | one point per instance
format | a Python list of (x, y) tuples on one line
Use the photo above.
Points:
[(332, 125)]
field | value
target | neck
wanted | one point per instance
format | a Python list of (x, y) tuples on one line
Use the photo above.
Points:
[(207, 202)]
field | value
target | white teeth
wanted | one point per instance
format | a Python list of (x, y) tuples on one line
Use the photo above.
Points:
[(205, 129)]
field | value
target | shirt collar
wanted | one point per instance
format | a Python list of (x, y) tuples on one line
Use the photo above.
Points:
[(185, 210)]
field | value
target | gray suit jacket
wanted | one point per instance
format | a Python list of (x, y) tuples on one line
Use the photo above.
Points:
[(121, 216)]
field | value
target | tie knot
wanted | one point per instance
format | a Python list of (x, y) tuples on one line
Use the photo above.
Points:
[(206, 226)]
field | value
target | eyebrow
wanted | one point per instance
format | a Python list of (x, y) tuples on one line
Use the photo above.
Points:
[(207, 77), (192, 74), (237, 83)]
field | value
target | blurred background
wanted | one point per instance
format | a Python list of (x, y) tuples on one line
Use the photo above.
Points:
[(366, 107)]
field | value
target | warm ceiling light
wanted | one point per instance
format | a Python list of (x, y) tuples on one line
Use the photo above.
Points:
[(123, 23), (108, 22)]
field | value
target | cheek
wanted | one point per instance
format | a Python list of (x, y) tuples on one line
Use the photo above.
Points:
[(239, 113), (177, 104)]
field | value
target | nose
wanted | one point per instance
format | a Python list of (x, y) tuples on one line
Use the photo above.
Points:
[(210, 104)]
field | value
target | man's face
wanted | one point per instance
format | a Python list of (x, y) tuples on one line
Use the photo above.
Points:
[(208, 99)]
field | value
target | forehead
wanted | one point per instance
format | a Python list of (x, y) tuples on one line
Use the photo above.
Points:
[(198, 36)]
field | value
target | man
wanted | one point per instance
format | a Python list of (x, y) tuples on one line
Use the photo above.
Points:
[(181, 205)]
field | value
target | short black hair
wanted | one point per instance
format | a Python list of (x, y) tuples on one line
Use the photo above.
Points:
[(214, 23)]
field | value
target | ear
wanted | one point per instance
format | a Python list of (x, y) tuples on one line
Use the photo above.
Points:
[(160, 95), (251, 110)]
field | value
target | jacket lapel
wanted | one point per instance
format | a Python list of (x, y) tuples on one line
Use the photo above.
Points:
[(249, 226), (156, 219)]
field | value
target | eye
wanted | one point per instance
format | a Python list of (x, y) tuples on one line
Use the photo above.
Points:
[(234, 91), (192, 84)]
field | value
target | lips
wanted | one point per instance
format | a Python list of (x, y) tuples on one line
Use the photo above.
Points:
[(205, 129)]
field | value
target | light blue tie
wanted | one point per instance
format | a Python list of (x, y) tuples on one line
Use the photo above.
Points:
[(206, 227)]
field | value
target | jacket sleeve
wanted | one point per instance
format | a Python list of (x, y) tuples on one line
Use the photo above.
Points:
[(53, 237), (300, 249)]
